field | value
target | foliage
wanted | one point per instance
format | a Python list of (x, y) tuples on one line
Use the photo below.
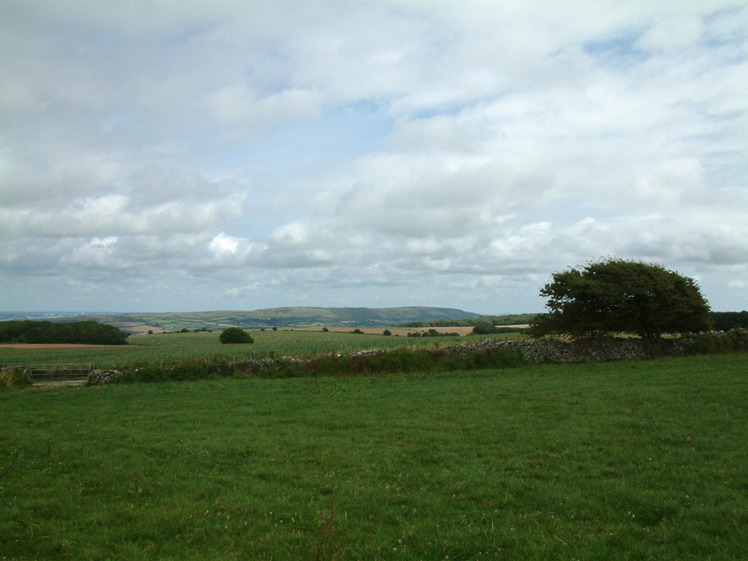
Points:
[(83, 332), (395, 361), (624, 461), (735, 340), (618, 296), (235, 335), (11, 377), (432, 333), (725, 321), (484, 327)]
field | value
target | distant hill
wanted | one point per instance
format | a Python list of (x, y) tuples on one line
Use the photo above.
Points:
[(298, 317)]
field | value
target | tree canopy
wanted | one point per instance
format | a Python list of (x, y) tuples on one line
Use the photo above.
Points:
[(619, 296)]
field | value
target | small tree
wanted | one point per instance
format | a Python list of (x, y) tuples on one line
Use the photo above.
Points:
[(483, 327), (232, 335), (622, 296)]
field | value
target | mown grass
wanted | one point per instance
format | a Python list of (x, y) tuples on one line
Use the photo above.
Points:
[(640, 460)]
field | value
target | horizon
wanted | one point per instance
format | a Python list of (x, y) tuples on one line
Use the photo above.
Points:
[(93, 313), (65, 314), (241, 156)]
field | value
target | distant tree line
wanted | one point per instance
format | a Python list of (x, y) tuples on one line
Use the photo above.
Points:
[(82, 332), (725, 321), (432, 333), (512, 319)]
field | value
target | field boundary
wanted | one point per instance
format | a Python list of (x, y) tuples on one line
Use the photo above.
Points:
[(56, 370)]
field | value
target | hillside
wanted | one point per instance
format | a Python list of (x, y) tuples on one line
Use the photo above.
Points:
[(279, 317)]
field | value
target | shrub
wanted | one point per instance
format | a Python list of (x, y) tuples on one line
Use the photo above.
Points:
[(483, 327), (235, 335), (735, 340), (11, 377)]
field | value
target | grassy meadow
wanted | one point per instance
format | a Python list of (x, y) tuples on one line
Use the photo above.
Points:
[(177, 347), (637, 460)]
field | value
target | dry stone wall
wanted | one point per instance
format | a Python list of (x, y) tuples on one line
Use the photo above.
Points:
[(555, 350), (101, 377)]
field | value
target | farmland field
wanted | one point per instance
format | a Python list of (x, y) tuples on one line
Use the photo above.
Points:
[(638, 460), (174, 347)]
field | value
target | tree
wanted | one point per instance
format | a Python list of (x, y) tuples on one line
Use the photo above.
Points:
[(484, 327), (618, 296), (232, 335)]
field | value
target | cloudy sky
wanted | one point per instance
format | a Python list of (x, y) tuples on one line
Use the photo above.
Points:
[(176, 155)]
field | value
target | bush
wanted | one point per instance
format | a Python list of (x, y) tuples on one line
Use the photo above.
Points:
[(11, 377), (483, 327), (235, 335), (735, 340)]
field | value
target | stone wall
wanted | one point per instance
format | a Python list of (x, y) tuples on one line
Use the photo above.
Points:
[(602, 349), (101, 377)]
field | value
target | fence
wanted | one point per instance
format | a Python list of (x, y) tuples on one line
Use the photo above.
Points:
[(43, 371)]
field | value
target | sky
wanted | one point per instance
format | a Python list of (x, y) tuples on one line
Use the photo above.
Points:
[(177, 155)]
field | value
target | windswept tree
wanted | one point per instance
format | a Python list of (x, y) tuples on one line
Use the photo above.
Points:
[(618, 296)]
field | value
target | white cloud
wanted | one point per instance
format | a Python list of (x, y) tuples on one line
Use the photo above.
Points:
[(96, 253), (223, 244)]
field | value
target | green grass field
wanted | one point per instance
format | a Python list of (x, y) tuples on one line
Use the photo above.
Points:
[(176, 347), (639, 460)]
